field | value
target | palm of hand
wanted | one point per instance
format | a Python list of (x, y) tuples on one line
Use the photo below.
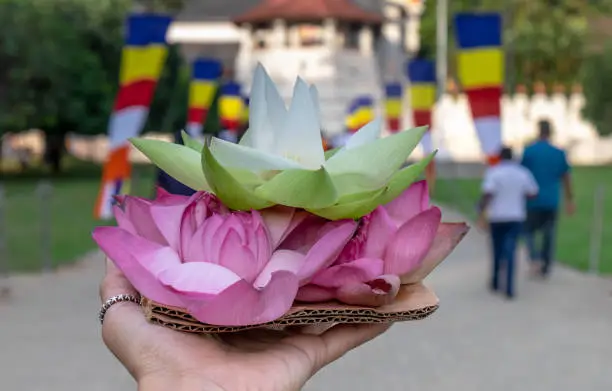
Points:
[(251, 361)]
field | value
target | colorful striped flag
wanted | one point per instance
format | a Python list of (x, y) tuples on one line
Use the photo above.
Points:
[(422, 76), (142, 61), (480, 65), (205, 77), (360, 112), (245, 111), (393, 106), (231, 107)]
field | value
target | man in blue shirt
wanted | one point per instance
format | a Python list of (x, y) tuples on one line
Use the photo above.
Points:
[(548, 165)]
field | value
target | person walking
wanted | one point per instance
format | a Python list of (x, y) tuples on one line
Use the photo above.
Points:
[(505, 188), (548, 164)]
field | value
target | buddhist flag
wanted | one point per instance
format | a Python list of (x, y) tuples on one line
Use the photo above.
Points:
[(142, 60), (204, 81), (245, 110), (393, 106), (422, 76), (231, 108), (360, 112), (480, 64)]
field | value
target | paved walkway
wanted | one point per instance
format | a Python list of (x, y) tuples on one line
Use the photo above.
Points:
[(555, 337)]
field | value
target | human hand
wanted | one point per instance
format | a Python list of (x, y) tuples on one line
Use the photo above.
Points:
[(163, 359), (482, 222), (570, 208)]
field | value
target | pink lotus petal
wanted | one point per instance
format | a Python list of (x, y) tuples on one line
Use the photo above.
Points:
[(447, 238), (140, 260), (201, 241), (122, 221), (286, 260), (412, 241), (315, 294), (206, 238), (380, 228), (168, 216), (281, 221), (193, 217), (411, 202), (138, 212), (198, 280), (355, 272), (304, 235), (119, 199), (241, 304), (259, 240), (326, 250), (160, 192), (166, 198), (375, 293), (236, 256), (231, 223)]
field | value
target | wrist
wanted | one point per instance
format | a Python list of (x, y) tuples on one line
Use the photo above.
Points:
[(176, 383)]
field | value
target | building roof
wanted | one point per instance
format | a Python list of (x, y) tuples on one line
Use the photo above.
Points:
[(309, 10), (213, 10), (226, 10)]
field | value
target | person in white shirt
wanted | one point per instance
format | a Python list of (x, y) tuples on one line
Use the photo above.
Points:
[(505, 189)]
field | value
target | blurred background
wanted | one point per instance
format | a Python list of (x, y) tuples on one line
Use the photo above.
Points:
[(77, 79)]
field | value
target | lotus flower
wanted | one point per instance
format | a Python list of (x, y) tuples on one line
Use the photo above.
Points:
[(400, 242), (223, 267), (280, 160)]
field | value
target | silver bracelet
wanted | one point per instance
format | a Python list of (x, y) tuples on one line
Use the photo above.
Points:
[(114, 300)]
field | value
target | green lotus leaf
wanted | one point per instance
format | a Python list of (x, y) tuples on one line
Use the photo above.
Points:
[(300, 189), (192, 143), (359, 205), (370, 166), (331, 152), (227, 187), (404, 178), (350, 210), (179, 161)]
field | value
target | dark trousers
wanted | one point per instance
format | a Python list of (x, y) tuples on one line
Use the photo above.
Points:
[(504, 237), (541, 222)]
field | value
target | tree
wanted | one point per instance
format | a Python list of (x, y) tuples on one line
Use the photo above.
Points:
[(597, 84), (59, 63), (547, 36)]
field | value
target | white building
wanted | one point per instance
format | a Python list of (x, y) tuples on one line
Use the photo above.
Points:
[(346, 47), (352, 47)]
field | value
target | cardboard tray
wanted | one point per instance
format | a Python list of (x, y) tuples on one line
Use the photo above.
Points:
[(413, 302)]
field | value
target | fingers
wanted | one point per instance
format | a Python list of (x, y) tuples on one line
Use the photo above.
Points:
[(114, 283), (124, 321)]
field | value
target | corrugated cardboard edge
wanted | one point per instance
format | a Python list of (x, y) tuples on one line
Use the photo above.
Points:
[(413, 302)]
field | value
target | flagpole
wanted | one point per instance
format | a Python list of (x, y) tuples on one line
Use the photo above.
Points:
[(441, 73), (508, 19), (441, 46)]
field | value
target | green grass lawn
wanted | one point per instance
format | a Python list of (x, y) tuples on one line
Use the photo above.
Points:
[(70, 209), (75, 191), (574, 235)]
